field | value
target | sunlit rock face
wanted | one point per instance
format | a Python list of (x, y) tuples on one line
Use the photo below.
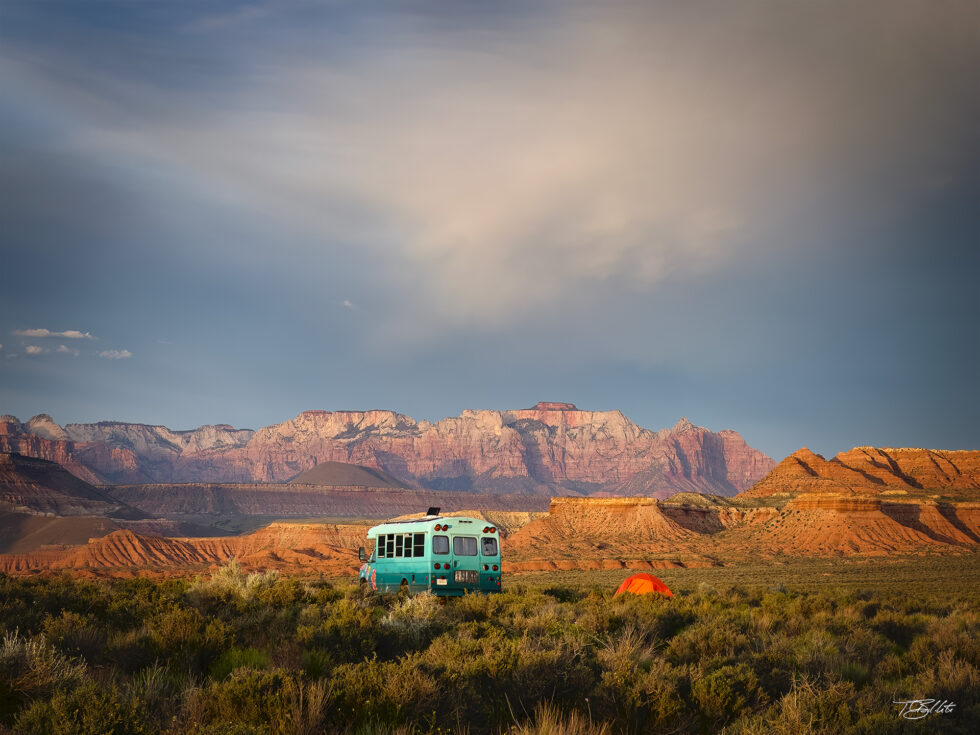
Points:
[(550, 447), (874, 470)]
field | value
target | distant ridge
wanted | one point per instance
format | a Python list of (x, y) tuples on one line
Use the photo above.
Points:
[(553, 448), (344, 474)]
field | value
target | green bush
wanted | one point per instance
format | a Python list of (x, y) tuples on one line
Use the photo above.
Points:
[(238, 658), (277, 702), (727, 693), (90, 709)]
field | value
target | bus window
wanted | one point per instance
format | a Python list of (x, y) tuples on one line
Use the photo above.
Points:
[(380, 547), (464, 546), (440, 544), (489, 547), (419, 545), (398, 546), (390, 545)]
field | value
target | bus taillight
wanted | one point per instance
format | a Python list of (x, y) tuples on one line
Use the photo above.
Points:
[(493, 530), (494, 567)]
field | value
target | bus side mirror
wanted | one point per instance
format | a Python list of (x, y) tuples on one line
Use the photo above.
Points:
[(360, 554)]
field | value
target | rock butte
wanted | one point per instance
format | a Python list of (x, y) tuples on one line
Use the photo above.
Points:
[(872, 470)]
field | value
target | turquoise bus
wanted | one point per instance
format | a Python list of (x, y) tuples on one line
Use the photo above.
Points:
[(448, 556)]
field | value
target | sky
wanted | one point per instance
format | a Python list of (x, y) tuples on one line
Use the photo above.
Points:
[(757, 214)]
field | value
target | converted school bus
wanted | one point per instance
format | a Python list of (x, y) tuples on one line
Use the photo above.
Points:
[(448, 556)]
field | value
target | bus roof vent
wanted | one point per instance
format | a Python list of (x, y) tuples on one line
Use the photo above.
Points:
[(433, 511)]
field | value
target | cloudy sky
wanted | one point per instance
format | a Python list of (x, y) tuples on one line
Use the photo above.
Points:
[(760, 215)]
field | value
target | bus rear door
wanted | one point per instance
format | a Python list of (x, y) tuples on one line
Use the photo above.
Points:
[(466, 562)]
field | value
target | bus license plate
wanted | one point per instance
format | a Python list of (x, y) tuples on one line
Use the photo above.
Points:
[(467, 576), (442, 581)]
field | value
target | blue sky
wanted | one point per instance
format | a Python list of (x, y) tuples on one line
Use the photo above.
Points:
[(759, 215)]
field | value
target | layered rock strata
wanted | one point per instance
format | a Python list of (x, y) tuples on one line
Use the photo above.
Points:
[(872, 470), (552, 446)]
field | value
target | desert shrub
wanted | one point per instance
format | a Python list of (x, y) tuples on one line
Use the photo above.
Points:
[(564, 594), (724, 693), (661, 696), (808, 707), (231, 581), (316, 663), (186, 638), (90, 709), (817, 650), (898, 627), (238, 658), (32, 667), (712, 640), (855, 672), (947, 678), (548, 720), (153, 691), (75, 634), (276, 702), (349, 631), (372, 692), (413, 619), (621, 657), (133, 650)]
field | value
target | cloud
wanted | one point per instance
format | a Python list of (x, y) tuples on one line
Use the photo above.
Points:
[(67, 350), (68, 334), (491, 170), (349, 305), (34, 350), (116, 354)]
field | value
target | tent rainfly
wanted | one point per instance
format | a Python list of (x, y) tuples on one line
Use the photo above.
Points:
[(643, 584)]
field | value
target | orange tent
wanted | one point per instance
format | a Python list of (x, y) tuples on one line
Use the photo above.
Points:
[(643, 584)]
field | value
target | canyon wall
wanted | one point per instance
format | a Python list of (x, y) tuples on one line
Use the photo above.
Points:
[(551, 447)]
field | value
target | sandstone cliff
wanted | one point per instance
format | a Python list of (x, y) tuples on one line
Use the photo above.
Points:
[(872, 470), (112, 451), (553, 446), (535, 450), (49, 444)]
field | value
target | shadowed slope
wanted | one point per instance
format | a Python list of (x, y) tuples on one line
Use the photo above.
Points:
[(344, 474), (40, 486)]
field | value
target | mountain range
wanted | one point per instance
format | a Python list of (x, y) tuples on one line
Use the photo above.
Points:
[(548, 449)]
